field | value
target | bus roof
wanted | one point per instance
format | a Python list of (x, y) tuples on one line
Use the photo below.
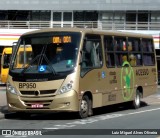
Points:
[(87, 30)]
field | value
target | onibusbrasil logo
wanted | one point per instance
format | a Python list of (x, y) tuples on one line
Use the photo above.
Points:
[(127, 81)]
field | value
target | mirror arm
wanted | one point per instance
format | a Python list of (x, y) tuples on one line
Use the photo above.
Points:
[(81, 53)]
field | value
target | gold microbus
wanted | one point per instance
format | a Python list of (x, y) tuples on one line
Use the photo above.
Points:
[(76, 70)]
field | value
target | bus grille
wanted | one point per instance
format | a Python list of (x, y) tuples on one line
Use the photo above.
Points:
[(38, 93)]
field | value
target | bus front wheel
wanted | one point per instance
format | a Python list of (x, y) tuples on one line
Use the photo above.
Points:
[(85, 106)]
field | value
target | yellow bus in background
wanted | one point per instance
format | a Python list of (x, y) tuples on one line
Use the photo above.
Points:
[(5, 60), (77, 70), (23, 55)]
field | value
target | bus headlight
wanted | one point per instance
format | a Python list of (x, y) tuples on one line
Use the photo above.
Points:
[(67, 87), (10, 88)]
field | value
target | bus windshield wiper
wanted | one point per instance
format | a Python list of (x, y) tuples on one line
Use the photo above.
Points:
[(42, 56), (32, 61), (49, 64)]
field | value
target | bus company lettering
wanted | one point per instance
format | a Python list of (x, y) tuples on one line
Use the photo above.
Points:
[(113, 77), (27, 85), (142, 72), (112, 73), (154, 70)]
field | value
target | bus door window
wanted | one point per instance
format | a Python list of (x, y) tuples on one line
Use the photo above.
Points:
[(87, 54), (92, 56), (92, 53)]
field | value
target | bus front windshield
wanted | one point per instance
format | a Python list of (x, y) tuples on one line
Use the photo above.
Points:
[(54, 52)]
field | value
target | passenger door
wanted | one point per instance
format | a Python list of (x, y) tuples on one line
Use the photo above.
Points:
[(91, 66)]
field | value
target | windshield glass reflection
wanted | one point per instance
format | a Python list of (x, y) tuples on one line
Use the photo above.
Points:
[(53, 52)]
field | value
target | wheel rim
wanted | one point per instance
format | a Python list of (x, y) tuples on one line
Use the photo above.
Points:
[(137, 100), (84, 106)]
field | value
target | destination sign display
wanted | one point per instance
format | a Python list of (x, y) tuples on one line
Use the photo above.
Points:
[(62, 39)]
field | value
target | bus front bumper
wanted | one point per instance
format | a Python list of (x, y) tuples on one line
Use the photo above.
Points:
[(67, 102)]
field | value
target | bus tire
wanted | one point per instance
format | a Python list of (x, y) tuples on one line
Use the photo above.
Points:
[(137, 100), (84, 107)]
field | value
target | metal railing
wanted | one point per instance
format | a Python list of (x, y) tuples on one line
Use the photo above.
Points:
[(104, 25)]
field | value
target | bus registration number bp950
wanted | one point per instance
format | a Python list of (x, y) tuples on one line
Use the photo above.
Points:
[(27, 85)]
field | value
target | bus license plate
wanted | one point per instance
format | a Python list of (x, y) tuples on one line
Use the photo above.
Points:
[(37, 105)]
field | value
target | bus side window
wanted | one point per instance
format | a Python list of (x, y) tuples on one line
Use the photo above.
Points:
[(132, 60), (120, 58), (111, 61), (138, 59), (148, 54), (136, 46), (150, 46), (130, 46), (120, 51), (144, 43), (120, 44), (109, 51), (109, 43), (134, 51)]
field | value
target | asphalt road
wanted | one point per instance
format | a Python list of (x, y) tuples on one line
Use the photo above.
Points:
[(104, 122)]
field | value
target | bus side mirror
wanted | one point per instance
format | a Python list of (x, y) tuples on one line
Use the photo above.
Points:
[(14, 44)]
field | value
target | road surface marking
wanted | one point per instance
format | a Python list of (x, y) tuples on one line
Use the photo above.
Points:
[(143, 111), (96, 119)]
